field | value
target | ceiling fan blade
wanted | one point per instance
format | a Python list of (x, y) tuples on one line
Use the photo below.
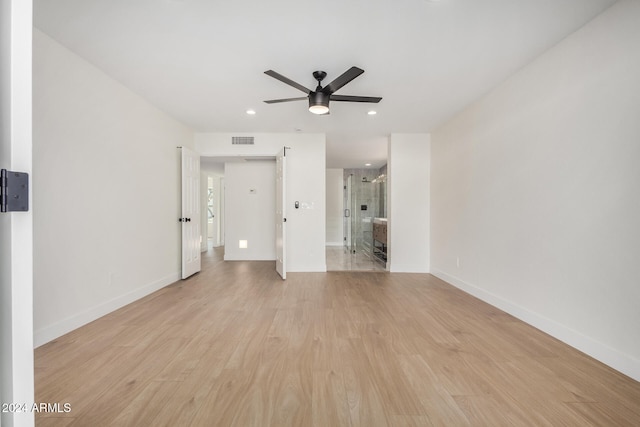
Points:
[(350, 98), (345, 78), (286, 80), (275, 101)]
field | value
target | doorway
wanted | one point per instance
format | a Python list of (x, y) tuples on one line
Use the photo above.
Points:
[(239, 205), (364, 222), (214, 211), (212, 203)]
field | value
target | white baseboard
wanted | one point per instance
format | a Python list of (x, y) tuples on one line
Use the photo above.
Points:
[(334, 244), (599, 351), (51, 332)]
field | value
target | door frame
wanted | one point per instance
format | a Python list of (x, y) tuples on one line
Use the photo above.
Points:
[(16, 228)]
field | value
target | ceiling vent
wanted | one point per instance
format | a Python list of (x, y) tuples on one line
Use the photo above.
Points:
[(242, 140)]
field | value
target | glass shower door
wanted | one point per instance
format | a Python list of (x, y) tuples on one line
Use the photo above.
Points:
[(348, 234), (353, 207)]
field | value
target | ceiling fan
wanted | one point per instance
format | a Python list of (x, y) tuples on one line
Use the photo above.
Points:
[(319, 98)]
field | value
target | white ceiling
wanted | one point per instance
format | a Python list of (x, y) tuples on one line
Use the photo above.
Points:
[(202, 61)]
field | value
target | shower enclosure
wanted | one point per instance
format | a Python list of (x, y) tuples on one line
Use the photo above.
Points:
[(364, 199)]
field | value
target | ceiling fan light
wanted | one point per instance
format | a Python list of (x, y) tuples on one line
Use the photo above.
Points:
[(318, 103), (319, 109)]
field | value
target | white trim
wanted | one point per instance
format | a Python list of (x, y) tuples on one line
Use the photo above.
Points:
[(599, 351), (16, 260), (334, 244), (51, 332)]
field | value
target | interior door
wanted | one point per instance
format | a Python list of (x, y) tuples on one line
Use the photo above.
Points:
[(190, 219), (281, 214), (347, 213)]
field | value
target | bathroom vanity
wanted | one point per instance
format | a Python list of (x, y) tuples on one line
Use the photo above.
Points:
[(379, 244)]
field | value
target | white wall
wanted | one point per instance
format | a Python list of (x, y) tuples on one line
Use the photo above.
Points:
[(408, 198), (535, 190), (305, 183), (16, 229), (250, 210), (106, 193), (335, 200)]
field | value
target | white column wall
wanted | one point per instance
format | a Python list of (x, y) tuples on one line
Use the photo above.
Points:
[(408, 197)]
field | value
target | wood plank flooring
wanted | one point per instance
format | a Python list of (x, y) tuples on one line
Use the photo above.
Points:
[(237, 346)]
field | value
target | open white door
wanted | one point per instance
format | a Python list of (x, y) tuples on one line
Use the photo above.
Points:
[(281, 214), (190, 212)]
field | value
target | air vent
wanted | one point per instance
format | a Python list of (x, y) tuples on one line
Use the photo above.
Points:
[(242, 140)]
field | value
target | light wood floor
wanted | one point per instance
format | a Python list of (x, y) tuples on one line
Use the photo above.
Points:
[(237, 346)]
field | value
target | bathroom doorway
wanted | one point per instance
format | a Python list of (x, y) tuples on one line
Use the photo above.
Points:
[(364, 222)]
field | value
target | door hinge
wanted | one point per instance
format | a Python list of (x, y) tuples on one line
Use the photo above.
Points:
[(14, 191)]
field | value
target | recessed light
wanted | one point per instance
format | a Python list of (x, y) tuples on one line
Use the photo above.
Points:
[(251, 112), (367, 164), (372, 113)]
